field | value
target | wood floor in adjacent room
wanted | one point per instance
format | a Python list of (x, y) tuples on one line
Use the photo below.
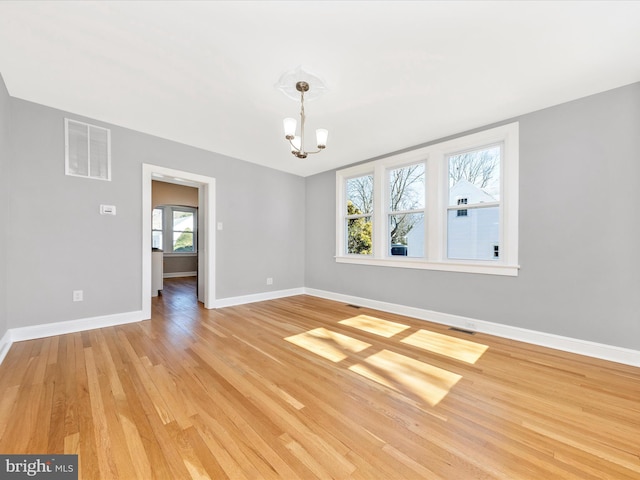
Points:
[(306, 388)]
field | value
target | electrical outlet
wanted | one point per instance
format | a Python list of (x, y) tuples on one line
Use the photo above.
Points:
[(269, 281), (77, 295)]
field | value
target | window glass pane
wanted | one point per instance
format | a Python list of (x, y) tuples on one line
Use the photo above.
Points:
[(360, 195), (182, 221), (475, 176), (475, 235), (183, 241), (406, 188), (183, 228), (406, 234), (156, 219), (156, 240), (359, 236)]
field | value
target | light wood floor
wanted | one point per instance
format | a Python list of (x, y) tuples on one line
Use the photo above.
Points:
[(305, 388)]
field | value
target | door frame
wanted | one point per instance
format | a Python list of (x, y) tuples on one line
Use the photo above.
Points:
[(206, 230)]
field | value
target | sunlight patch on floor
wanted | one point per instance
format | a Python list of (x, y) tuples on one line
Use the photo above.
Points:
[(453, 347), (407, 376), (330, 345), (374, 325)]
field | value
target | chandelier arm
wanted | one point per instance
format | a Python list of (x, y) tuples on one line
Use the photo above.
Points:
[(297, 152), (295, 149), (292, 144)]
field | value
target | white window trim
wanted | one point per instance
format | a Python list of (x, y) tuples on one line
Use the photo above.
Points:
[(436, 173)]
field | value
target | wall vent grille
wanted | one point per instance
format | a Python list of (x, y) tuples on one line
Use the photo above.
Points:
[(87, 150)]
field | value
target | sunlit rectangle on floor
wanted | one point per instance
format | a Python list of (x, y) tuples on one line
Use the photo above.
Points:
[(374, 325), (330, 345), (453, 347), (407, 376)]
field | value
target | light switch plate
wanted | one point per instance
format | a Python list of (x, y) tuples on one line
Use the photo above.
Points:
[(107, 209)]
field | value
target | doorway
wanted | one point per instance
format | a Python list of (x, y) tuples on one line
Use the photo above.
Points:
[(206, 237)]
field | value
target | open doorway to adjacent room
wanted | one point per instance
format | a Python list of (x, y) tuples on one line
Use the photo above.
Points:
[(178, 235), (174, 239)]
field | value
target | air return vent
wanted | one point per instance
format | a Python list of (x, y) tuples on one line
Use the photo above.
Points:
[(462, 330), (87, 150)]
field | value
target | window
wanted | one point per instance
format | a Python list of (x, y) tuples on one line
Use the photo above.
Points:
[(157, 223), (183, 231), (87, 150), (174, 229), (474, 182), (358, 214), (450, 206), (406, 210), (463, 211)]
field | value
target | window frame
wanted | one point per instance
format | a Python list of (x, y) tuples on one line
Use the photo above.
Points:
[(435, 157)]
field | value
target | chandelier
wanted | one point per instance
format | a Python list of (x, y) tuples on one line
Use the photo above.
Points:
[(290, 124)]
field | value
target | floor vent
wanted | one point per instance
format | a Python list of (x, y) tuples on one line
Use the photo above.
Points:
[(352, 306), (462, 330)]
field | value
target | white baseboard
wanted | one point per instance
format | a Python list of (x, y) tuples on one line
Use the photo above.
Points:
[(582, 347), (5, 345), (60, 328), (179, 274), (257, 297), (567, 344)]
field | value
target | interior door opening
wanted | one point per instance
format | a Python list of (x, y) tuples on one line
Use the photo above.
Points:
[(204, 268), (174, 234)]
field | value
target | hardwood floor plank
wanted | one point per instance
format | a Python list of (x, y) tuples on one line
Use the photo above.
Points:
[(102, 436), (146, 454), (8, 402), (306, 388)]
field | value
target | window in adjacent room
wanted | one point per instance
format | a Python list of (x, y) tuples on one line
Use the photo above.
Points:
[(183, 234), (87, 150), (157, 228), (174, 229)]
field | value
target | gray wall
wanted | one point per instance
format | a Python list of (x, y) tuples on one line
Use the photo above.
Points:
[(579, 233), (60, 242), (5, 104), (579, 230)]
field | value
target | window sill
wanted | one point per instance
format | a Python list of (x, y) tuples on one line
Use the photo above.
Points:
[(482, 268), (180, 254)]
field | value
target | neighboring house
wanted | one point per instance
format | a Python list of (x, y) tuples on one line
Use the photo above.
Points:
[(478, 223), (481, 224)]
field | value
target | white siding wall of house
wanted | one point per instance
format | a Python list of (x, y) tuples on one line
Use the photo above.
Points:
[(472, 233)]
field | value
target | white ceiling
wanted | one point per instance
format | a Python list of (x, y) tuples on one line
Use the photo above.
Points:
[(398, 73)]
